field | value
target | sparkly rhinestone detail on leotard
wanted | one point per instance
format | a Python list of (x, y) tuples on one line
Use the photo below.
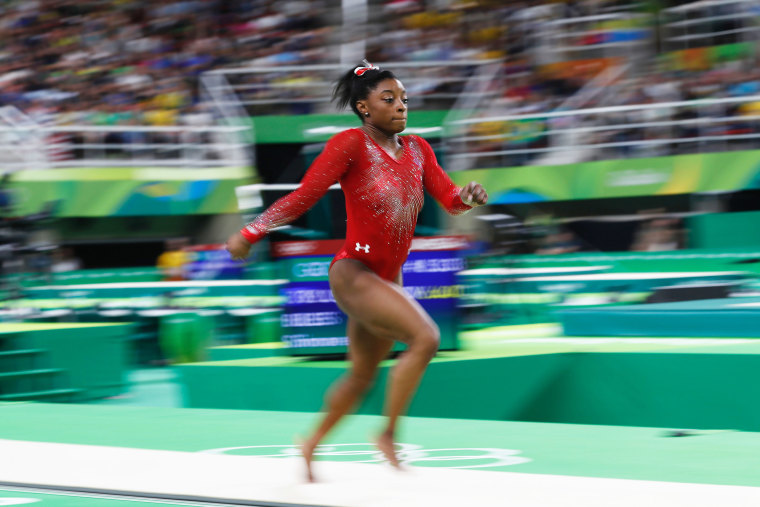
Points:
[(383, 197)]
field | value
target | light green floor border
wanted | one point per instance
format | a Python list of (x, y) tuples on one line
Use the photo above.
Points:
[(248, 350), (502, 341)]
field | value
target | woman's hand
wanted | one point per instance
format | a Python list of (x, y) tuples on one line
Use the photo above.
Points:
[(473, 194), (238, 247)]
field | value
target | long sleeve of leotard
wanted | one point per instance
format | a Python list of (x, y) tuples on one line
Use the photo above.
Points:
[(439, 185), (326, 170)]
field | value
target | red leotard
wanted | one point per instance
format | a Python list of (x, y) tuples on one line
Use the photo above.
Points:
[(383, 197)]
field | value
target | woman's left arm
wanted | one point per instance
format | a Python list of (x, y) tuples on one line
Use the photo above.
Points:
[(455, 200)]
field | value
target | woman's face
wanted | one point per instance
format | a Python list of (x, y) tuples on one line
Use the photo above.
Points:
[(386, 105)]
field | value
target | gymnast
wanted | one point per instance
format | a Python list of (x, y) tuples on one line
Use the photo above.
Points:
[(383, 176)]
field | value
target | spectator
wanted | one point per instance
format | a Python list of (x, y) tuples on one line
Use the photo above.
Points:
[(173, 260)]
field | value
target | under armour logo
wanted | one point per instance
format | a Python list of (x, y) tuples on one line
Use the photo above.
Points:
[(360, 247)]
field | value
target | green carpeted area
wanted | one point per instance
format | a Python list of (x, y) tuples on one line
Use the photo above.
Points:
[(501, 375), (727, 317), (519, 295), (702, 259), (66, 362)]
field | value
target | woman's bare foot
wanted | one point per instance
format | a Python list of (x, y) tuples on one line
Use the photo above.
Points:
[(307, 451), (385, 443)]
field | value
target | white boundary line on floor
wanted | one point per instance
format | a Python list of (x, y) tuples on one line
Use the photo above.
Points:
[(280, 481)]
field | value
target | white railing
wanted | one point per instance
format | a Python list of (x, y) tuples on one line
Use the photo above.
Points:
[(477, 93), (227, 110), (601, 91), (22, 142), (124, 146), (710, 23), (308, 88), (643, 130)]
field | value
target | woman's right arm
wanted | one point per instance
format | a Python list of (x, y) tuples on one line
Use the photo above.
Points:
[(326, 170)]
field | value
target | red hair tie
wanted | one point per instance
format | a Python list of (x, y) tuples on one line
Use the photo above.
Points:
[(368, 66)]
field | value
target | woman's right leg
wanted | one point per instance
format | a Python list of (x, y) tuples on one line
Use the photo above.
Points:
[(385, 309)]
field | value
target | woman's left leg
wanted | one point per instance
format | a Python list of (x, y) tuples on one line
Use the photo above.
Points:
[(365, 352)]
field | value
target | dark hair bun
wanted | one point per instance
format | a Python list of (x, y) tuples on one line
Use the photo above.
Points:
[(357, 83)]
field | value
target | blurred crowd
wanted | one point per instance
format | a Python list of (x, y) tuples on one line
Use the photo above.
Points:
[(130, 62), (659, 128), (126, 62)]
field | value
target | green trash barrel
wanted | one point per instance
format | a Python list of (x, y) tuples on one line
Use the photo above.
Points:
[(184, 336), (263, 325)]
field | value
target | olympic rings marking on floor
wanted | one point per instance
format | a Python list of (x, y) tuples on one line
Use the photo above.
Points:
[(408, 454)]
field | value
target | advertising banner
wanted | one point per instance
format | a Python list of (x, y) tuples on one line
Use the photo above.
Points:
[(681, 174), (115, 191)]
